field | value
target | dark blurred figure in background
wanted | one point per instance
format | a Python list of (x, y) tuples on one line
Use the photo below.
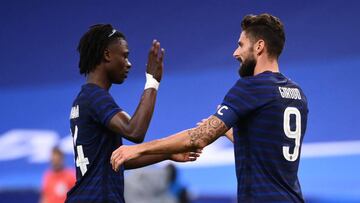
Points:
[(176, 188), (57, 180), (155, 185)]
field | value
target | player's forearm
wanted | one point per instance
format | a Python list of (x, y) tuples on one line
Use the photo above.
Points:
[(180, 142), (145, 161), (230, 135), (139, 123), (134, 129), (191, 139), (185, 141)]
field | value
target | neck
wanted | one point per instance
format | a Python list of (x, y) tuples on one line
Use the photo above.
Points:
[(99, 78), (266, 64), (57, 169)]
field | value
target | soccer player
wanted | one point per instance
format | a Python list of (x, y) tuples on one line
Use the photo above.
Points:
[(268, 115), (98, 123), (57, 180)]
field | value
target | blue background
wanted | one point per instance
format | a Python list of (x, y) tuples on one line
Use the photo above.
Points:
[(39, 77)]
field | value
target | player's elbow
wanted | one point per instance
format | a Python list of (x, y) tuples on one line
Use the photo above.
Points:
[(138, 140), (136, 137)]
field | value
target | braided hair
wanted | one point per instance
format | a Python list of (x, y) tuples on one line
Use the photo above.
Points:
[(93, 44)]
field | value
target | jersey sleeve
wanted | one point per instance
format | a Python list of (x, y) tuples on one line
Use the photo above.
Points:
[(238, 102), (227, 115), (103, 106)]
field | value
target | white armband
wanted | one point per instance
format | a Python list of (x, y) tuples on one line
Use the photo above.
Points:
[(151, 82)]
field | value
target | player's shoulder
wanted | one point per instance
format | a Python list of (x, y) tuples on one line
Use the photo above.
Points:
[(291, 83), (263, 81), (292, 90), (264, 78), (93, 90)]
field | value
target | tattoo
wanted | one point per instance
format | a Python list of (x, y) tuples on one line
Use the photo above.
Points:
[(207, 132)]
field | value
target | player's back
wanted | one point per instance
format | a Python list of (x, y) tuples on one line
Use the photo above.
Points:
[(272, 114), (93, 144)]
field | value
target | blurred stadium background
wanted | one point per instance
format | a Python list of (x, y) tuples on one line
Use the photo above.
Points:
[(39, 80)]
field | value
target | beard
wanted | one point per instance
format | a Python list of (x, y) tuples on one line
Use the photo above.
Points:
[(247, 67)]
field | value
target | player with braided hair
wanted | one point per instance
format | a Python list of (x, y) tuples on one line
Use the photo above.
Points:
[(98, 124)]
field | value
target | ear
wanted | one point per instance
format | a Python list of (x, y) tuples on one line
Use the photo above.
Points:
[(107, 54), (259, 47)]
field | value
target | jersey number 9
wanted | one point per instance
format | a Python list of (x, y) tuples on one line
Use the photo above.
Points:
[(292, 134)]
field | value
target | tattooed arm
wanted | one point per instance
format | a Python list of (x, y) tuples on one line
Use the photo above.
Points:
[(229, 134), (188, 140)]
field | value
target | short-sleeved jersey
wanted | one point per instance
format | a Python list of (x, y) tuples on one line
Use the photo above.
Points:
[(268, 113), (94, 143)]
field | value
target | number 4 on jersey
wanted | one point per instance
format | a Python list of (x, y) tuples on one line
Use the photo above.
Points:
[(81, 160)]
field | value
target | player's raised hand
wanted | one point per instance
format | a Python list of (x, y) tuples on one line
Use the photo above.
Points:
[(185, 157), (123, 154), (155, 63)]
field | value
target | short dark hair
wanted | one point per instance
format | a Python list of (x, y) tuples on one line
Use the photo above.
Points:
[(266, 27), (92, 45), (57, 150)]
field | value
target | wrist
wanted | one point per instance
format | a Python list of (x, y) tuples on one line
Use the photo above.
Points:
[(151, 82), (141, 149)]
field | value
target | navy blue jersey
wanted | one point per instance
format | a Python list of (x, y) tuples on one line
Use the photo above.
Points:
[(268, 113), (94, 143)]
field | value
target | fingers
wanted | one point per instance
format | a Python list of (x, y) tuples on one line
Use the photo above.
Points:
[(157, 48), (118, 163), (192, 158), (152, 48), (193, 154), (154, 65), (156, 51), (113, 158), (161, 55), (117, 159)]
